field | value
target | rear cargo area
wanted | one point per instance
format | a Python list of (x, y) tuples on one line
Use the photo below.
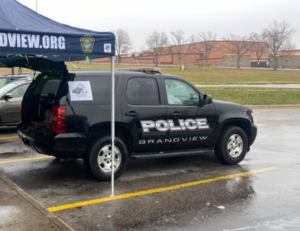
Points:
[(37, 110)]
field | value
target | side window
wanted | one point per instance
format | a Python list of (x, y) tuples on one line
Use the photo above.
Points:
[(180, 93), (142, 91), (101, 90), (19, 91), (2, 82)]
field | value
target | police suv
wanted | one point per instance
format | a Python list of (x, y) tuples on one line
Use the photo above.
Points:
[(67, 115)]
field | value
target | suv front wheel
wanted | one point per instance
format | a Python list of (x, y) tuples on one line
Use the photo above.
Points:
[(232, 146), (99, 159)]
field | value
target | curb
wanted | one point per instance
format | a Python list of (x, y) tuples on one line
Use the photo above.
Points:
[(284, 106), (57, 221)]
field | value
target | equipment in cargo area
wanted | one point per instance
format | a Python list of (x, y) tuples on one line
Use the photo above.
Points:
[(27, 37)]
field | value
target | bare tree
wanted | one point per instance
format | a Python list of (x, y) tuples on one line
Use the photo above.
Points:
[(239, 45), (289, 48), (278, 35), (260, 46), (156, 43), (177, 48), (123, 43), (207, 46)]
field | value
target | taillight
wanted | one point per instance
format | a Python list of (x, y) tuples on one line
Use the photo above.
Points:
[(59, 122)]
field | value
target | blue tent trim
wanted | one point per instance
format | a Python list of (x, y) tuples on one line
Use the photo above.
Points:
[(23, 31)]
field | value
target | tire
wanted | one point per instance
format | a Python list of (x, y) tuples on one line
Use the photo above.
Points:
[(229, 150), (101, 171)]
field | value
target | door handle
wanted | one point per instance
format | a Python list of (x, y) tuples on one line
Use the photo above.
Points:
[(176, 114), (132, 114)]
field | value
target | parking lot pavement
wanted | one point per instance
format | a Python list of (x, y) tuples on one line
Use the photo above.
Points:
[(19, 211), (7, 133), (186, 193)]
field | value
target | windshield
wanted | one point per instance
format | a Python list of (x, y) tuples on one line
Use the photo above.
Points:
[(7, 88), (2, 82)]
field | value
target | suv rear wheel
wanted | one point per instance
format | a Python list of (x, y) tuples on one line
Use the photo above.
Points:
[(232, 146), (99, 159)]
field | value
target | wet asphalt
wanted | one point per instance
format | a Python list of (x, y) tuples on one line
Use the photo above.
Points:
[(259, 202)]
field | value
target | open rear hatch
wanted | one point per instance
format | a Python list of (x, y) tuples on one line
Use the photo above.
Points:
[(33, 63), (43, 109)]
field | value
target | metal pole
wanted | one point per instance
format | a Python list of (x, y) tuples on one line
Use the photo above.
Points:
[(113, 126), (36, 6)]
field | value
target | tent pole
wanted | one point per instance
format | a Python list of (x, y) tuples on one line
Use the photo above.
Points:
[(113, 126)]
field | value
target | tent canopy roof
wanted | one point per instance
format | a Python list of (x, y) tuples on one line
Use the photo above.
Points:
[(23, 31)]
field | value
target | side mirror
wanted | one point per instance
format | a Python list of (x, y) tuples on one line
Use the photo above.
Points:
[(207, 99), (8, 96)]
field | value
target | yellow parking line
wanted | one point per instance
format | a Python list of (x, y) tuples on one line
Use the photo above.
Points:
[(9, 137), (24, 160), (157, 190)]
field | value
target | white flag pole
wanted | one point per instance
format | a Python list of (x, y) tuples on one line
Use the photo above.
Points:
[(113, 126)]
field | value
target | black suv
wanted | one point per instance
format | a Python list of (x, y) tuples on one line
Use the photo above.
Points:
[(67, 115)]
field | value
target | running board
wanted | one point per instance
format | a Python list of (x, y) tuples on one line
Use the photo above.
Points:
[(190, 152)]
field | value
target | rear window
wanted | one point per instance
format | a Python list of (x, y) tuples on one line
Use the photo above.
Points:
[(47, 87), (101, 90), (51, 87), (142, 91)]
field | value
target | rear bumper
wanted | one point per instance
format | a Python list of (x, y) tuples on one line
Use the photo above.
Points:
[(30, 142), (25, 138), (253, 134), (69, 145)]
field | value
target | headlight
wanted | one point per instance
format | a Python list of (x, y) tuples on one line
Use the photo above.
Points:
[(250, 114)]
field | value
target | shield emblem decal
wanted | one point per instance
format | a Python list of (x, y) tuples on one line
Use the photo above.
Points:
[(87, 43)]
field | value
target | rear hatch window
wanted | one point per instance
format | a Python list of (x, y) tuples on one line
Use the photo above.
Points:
[(47, 87)]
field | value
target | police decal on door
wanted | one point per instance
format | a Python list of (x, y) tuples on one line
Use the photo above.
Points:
[(166, 125), (169, 125)]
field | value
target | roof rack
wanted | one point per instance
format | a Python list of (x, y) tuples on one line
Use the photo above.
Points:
[(155, 71)]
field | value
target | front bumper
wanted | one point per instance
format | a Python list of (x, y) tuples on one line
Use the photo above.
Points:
[(253, 134)]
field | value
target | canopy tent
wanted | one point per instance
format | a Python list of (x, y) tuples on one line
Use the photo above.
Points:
[(26, 33), (23, 31)]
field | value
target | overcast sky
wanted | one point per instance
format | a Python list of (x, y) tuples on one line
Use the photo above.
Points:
[(141, 17)]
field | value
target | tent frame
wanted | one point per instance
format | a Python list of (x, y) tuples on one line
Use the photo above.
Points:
[(113, 126), (71, 44)]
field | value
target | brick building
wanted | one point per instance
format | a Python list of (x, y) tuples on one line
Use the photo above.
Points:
[(289, 59), (222, 55), (290, 53)]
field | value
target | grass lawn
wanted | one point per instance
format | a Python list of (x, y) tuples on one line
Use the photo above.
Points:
[(201, 76), (214, 76), (241, 95), (255, 96)]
